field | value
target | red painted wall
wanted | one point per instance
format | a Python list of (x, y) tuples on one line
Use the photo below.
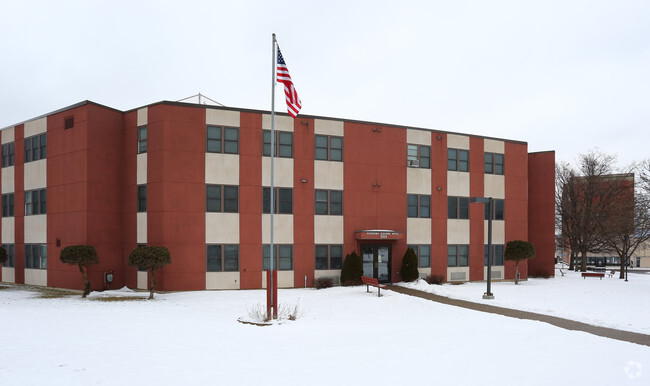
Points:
[(375, 184), (303, 202), (476, 211), (439, 204), (516, 205), (128, 194), (250, 200), (541, 212)]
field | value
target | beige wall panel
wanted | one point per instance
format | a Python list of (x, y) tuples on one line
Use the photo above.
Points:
[(36, 229), (143, 116), (141, 173), (424, 272), (334, 274), (222, 280), (418, 230), (8, 180), (282, 123), (328, 127), (282, 169), (498, 273), (494, 186), (492, 146), (418, 181), (36, 174), (8, 275), (222, 169), (222, 117), (328, 230), (141, 237), (8, 230), (457, 231), (328, 175), (36, 277), (457, 270), (142, 281), (285, 279), (458, 184), (455, 141), (222, 228), (8, 135), (498, 232), (282, 230), (418, 137), (35, 127)]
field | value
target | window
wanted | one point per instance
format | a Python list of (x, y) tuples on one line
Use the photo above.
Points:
[(8, 205), (498, 209), (223, 258), (35, 202), (11, 255), (458, 207), (142, 198), (423, 252), (458, 160), (35, 148), (329, 202), (222, 198), (282, 200), (142, 139), (223, 140), (329, 256), (329, 148), (282, 256), (36, 256), (68, 122), (418, 205), (283, 144), (497, 257), (419, 153), (457, 255), (8, 154), (493, 163)]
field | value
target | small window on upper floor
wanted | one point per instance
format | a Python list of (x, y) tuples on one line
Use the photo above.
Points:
[(328, 148), (458, 160), (8, 154), (142, 139), (35, 147), (68, 122), (494, 163), (418, 156)]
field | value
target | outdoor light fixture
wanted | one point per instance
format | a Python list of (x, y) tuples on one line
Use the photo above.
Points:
[(490, 205)]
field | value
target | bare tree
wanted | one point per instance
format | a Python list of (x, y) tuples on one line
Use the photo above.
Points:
[(586, 197)]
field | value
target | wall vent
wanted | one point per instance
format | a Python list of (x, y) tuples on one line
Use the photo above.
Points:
[(68, 122), (496, 275), (457, 276)]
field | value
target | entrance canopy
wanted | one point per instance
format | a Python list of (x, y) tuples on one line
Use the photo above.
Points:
[(378, 234)]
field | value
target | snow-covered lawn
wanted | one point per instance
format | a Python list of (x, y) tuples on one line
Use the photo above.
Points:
[(610, 302), (345, 337)]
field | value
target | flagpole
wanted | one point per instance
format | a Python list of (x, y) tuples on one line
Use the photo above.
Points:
[(270, 286)]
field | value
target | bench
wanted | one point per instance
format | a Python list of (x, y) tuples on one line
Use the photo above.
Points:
[(593, 274), (371, 281)]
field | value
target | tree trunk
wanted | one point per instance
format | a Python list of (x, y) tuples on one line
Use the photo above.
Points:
[(623, 263), (572, 257), (86, 282), (516, 272), (153, 283), (583, 262)]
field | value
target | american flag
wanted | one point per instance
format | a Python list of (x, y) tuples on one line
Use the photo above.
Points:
[(293, 102)]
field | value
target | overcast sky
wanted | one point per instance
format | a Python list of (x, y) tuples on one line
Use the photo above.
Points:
[(562, 75)]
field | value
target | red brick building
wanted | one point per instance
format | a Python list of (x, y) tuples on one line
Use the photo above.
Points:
[(194, 178)]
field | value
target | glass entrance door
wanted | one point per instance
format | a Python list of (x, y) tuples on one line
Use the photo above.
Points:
[(376, 261)]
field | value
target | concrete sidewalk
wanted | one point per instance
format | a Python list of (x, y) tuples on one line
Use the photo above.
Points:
[(567, 324)]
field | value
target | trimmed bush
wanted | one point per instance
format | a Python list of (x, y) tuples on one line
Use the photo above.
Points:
[(323, 282), (352, 270), (409, 271), (151, 258), (517, 250), (435, 279), (82, 256), (3, 255)]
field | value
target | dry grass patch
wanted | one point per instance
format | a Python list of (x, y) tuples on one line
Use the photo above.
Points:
[(116, 299)]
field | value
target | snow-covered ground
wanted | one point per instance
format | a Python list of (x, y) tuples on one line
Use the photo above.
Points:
[(610, 302), (346, 336)]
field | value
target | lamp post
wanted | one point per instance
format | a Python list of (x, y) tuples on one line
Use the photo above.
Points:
[(626, 239), (490, 207)]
